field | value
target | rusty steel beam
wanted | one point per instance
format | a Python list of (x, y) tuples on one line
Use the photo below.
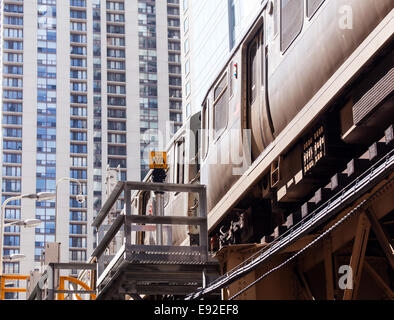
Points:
[(328, 266), (379, 281), (384, 239), (358, 255)]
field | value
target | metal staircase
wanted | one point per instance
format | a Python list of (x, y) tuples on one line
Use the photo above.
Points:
[(139, 269)]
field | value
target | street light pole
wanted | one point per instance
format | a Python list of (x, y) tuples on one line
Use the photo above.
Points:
[(80, 196), (42, 196), (37, 196)]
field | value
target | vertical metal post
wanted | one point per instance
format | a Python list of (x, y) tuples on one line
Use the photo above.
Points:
[(159, 211), (203, 208), (159, 176), (51, 282), (127, 227), (2, 287)]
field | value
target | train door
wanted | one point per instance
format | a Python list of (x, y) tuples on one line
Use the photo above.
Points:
[(258, 107), (255, 94)]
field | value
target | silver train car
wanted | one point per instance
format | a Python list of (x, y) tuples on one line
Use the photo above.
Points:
[(287, 110), (267, 103)]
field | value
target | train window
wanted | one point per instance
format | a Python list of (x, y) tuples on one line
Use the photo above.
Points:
[(220, 113), (276, 17), (205, 129), (292, 20), (312, 6)]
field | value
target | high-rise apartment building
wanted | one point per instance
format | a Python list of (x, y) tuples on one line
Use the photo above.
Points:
[(86, 84)]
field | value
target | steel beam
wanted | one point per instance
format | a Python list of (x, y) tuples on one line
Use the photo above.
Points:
[(108, 204), (328, 268), (73, 265), (358, 255), (384, 239), (304, 284), (176, 220), (379, 281), (109, 235), (169, 187)]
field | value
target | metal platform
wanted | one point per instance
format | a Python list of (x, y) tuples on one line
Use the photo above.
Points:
[(160, 271), (138, 269)]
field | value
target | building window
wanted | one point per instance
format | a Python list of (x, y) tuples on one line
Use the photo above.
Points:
[(187, 67), (187, 89), (187, 109), (186, 25)]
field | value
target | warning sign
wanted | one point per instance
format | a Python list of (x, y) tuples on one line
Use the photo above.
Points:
[(158, 160)]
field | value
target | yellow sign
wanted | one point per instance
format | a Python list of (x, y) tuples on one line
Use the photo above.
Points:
[(158, 160)]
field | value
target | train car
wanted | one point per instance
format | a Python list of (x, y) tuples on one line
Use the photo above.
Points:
[(308, 86)]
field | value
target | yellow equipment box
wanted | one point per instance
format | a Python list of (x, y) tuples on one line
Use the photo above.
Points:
[(158, 160)]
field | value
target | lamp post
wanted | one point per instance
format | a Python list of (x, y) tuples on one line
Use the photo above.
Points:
[(26, 223), (80, 196), (42, 196)]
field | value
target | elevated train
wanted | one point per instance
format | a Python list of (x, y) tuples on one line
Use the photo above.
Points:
[(307, 88)]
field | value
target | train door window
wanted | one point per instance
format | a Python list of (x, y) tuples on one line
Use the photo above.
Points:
[(312, 6), (180, 161), (220, 113), (253, 72), (292, 20), (205, 129), (256, 66)]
